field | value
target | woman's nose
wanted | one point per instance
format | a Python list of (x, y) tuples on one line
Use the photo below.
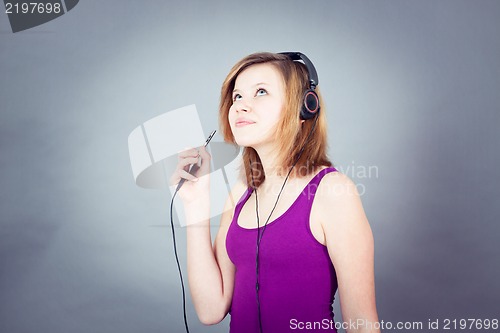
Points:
[(242, 105)]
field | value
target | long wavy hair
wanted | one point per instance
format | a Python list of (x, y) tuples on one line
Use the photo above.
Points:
[(291, 134)]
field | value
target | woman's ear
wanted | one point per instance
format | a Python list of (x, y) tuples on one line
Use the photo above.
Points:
[(302, 121)]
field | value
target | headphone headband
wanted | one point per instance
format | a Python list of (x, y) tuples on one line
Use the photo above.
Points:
[(310, 104), (313, 76)]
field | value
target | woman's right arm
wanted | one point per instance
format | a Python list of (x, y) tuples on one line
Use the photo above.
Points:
[(210, 271)]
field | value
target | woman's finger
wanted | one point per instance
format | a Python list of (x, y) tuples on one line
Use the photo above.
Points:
[(204, 153), (188, 153), (186, 175), (183, 163), (205, 162)]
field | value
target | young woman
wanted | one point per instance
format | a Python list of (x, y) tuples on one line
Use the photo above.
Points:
[(299, 230)]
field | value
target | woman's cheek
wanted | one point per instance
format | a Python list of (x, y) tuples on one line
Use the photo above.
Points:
[(231, 115)]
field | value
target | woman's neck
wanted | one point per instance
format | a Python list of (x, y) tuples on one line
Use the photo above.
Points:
[(274, 172)]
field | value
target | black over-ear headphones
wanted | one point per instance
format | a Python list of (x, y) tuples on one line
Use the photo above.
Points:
[(310, 105)]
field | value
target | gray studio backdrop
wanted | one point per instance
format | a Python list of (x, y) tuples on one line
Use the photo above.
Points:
[(411, 94)]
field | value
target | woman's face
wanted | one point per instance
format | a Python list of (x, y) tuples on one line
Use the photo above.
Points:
[(258, 100)]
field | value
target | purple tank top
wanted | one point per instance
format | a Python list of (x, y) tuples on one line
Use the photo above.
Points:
[(297, 278)]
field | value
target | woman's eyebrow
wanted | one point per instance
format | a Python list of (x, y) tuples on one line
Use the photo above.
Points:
[(255, 85)]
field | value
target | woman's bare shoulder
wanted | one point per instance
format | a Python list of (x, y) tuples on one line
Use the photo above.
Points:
[(339, 202), (335, 184), (337, 189)]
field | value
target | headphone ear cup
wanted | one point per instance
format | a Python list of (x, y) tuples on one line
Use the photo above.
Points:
[(310, 105)]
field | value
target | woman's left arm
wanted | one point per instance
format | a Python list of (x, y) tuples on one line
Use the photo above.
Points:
[(349, 240)]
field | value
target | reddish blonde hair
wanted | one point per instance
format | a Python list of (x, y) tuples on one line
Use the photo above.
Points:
[(291, 134)]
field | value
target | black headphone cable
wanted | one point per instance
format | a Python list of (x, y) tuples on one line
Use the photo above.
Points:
[(192, 170), (177, 260), (259, 235)]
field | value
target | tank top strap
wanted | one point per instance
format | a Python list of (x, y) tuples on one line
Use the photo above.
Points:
[(309, 191), (314, 183), (244, 197)]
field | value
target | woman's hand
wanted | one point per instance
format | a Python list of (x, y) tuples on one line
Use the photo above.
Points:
[(196, 186)]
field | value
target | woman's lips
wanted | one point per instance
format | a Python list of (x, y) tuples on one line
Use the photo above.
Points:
[(243, 122)]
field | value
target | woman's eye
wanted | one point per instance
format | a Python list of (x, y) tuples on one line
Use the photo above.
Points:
[(261, 92), (236, 97)]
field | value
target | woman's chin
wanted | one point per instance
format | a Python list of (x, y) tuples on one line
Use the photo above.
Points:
[(244, 142), (252, 141)]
